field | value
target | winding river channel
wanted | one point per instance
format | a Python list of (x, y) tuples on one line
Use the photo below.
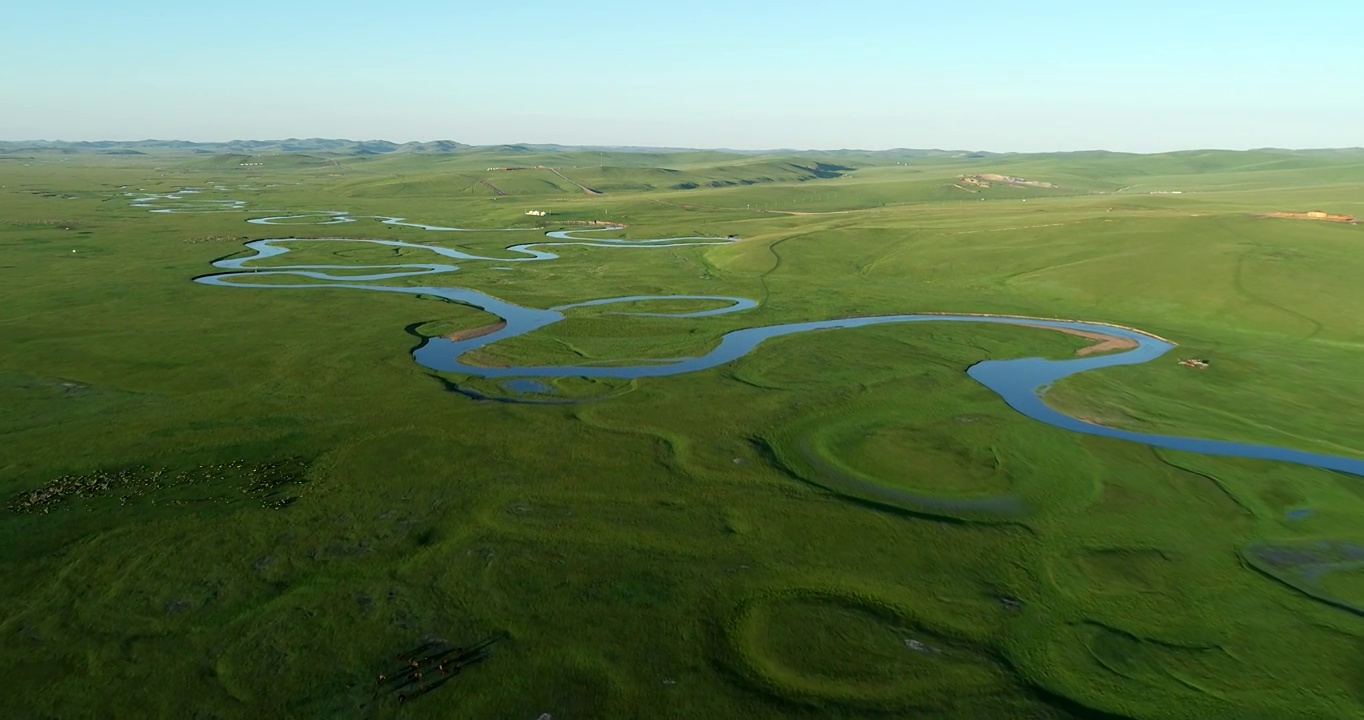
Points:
[(1021, 383)]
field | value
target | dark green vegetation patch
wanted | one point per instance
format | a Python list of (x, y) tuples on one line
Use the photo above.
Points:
[(270, 482)]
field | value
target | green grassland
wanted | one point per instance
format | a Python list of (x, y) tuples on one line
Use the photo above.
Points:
[(244, 502)]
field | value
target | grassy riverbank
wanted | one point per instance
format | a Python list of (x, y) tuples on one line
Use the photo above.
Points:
[(245, 502)]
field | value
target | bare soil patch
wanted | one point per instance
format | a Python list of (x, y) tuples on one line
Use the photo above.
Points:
[(1103, 343), (984, 179), (1313, 215), (476, 332)]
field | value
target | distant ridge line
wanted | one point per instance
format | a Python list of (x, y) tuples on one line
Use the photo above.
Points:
[(384, 147)]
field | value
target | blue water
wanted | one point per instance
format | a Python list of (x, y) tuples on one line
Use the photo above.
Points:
[(1020, 382), (177, 202)]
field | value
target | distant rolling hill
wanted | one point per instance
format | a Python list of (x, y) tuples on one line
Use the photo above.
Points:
[(254, 147), (384, 147), (533, 172), (435, 146), (445, 168), (814, 161)]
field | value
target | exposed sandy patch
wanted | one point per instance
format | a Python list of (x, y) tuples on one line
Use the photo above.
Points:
[(984, 180), (1106, 343), (476, 332), (1312, 215), (1103, 343)]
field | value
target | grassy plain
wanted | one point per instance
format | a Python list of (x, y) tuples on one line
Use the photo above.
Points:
[(243, 503)]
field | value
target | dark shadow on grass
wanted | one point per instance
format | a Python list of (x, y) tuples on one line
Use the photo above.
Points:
[(431, 665), (1073, 707), (1291, 577), (905, 504)]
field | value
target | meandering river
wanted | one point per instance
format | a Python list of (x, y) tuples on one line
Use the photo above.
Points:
[(1020, 382)]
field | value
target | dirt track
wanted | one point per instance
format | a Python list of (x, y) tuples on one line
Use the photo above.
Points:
[(586, 190)]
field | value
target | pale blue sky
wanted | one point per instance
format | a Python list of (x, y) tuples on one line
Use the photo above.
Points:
[(987, 74)]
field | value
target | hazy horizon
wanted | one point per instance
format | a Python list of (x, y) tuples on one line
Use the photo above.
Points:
[(304, 138), (994, 76)]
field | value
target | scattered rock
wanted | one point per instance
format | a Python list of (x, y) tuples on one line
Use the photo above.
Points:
[(917, 646)]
